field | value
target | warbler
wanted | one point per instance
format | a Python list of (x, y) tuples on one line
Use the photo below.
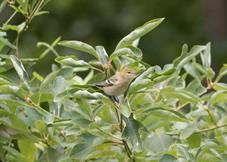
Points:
[(117, 84)]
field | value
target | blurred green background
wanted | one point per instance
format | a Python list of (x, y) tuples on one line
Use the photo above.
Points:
[(105, 22)]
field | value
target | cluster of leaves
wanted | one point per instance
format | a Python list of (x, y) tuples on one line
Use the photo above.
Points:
[(174, 113)]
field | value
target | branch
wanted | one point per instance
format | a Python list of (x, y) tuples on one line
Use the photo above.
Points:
[(210, 129)]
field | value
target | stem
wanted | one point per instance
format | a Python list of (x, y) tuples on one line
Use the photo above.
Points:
[(202, 130), (17, 44), (116, 138), (210, 115), (10, 18), (126, 146), (210, 129), (36, 9)]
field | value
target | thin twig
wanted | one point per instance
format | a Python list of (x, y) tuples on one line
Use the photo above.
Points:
[(210, 129), (201, 130), (36, 9), (17, 44), (116, 138), (10, 18)]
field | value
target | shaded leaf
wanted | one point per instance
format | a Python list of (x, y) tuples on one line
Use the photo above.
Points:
[(131, 131), (194, 140)]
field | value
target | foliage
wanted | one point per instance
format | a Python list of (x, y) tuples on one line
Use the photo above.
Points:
[(174, 113)]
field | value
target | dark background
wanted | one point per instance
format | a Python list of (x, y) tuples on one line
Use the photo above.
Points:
[(105, 22)]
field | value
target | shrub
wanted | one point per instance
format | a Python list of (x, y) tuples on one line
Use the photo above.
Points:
[(174, 113)]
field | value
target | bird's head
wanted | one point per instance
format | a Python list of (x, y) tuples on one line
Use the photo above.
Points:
[(127, 73)]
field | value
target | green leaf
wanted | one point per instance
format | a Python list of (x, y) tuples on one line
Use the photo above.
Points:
[(86, 108), (19, 67), (42, 97), (120, 53), (196, 88), (188, 131), (41, 13), (206, 153), (86, 145), (4, 42), (28, 149), (138, 33), (41, 126), (14, 155), (184, 52), (158, 142), (14, 122), (37, 76), (168, 158), (130, 51), (69, 61), (142, 81), (186, 57), (218, 97), (18, 28), (49, 47), (65, 60), (24, 5), (183, 152), (80, 46), (194, 140), (219, 86), (182, 95), (48, 81), (136, 51), (131, 132), (206, 56), (193, 71), (222, 73), (167, 113), (81, 151), (103, 56)]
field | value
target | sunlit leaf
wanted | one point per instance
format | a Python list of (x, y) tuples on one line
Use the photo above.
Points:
[(28, 149), (138, 33), (103, 56), (19, 67), (80, 46)]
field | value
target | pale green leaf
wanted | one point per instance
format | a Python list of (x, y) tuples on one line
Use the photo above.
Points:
[(138, 33), (28, 149), (80, 46)]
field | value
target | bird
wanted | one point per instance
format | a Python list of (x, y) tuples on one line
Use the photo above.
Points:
[(117, 84)]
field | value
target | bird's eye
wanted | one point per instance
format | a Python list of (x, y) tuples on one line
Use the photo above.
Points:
[(129, 72)]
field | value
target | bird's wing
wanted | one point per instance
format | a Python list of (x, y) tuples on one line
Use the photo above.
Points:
[(107, 83)]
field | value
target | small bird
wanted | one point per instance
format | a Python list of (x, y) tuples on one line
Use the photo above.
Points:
[(117, 84)]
